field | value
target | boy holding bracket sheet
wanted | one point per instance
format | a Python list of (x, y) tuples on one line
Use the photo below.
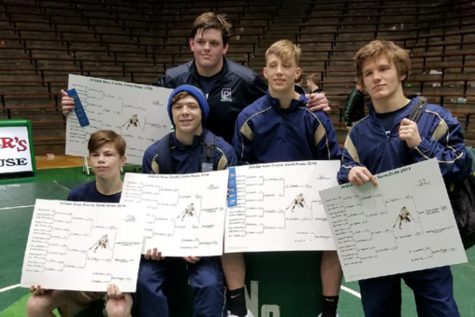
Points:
[(386, 139), (279, 127), (190, 149), (107, 156)]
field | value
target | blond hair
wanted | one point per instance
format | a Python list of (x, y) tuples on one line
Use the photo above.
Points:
[(285, 50)]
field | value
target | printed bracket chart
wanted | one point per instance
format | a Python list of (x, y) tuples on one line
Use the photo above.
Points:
[(276, 207), (184, 212), (137, 112), (404, 224), (83, 246)]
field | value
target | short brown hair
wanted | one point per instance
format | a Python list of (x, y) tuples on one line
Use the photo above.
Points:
[(180, 96), (211, 20), (376, 48), (314, 77), (101, 137)]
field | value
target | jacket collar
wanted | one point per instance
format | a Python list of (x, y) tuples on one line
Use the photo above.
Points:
[(197, 141), (414, 101), (220, 75), (294, 104)]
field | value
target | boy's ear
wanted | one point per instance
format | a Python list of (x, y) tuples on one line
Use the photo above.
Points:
[(402, 78), (264, 72), (298, 72)]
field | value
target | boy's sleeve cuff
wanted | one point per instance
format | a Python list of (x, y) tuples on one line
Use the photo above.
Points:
[(423, 147)]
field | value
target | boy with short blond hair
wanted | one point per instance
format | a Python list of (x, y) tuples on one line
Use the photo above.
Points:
[(280, 127)]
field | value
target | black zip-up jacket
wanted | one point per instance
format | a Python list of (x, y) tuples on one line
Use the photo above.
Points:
[(236, 87)]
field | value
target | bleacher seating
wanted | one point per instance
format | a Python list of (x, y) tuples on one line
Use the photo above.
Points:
[(41, 41)]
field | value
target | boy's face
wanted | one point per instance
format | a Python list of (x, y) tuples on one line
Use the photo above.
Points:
[(208, 48), (380, 78), (106, 161), (280, 74), (186, 114)]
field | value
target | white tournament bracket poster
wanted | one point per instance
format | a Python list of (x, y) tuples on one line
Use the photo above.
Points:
[(404, 224), (276, 207), (83, 246), (137, 112), (184, 212)]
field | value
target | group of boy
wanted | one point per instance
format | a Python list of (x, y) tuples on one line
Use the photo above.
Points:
[(278, 125)]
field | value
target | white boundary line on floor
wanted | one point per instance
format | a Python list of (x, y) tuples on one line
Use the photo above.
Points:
[(28, 206), (9, 288), (62, 186), (16, 207), (350, 291), (343, 288)]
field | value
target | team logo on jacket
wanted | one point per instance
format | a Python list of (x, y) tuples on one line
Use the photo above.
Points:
[(226, 95)]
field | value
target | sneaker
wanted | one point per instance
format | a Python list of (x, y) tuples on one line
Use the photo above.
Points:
[(249, 314)]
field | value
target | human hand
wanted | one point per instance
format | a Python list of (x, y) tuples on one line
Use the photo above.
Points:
[(318, 101), (113, 291), (153, 255), (191, 259), (67, 103), (360, 175), (118, 303), (409, 133), (37, 290)]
